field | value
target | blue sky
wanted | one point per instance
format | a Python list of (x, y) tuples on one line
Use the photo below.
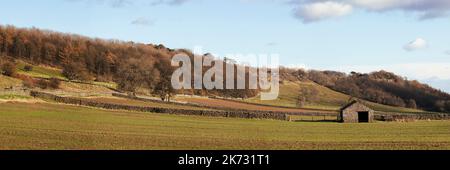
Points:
[(408, 37)]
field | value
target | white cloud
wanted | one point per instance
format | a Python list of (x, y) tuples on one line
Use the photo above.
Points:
[(417, 44), (322, 10), (447, 52), (423, 9)]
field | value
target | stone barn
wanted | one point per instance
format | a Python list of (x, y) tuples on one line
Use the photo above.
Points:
[(356, 112)]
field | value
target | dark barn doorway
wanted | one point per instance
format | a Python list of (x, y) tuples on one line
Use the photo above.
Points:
[(363, 117)]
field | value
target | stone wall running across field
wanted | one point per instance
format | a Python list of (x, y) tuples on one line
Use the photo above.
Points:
[(212, 113), (312, 110), (380, 116), (299, 113), (391, 116)]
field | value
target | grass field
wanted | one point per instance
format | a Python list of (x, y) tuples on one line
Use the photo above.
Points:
[(130, 102), (53, 126), (80, 89), (244, 106), (13, 96), (39, 71)]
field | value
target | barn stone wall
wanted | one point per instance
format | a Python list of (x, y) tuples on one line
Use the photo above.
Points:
[(350, 114)]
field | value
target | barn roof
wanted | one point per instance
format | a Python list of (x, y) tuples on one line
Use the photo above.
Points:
[(349, 104)]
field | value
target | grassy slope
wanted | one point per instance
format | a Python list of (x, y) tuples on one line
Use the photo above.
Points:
[(82, 90), (6, 82), (123, 101), (219, 103), (51, 126), (39, 71), (67, 88), (326, 99)]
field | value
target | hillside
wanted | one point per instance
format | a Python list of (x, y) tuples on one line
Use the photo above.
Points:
[(86, 65), (6, 82), (290, 91), (323, 98), (385, 88)]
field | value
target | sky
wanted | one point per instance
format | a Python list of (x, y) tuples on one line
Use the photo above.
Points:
[(408, 37)]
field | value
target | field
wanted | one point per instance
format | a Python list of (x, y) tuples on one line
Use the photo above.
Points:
[(6, 82), (93, 88), (39, 71), (245, 106), (54, 126), (130, 102), (290, 91), (81, 90)]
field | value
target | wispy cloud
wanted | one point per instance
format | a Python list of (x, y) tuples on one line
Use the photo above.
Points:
[(143, 21), (120, 3), (169, 2), (112, 3), (447, 52), (272, 44)]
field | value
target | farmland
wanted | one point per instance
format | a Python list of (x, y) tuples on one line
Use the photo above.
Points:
[(219, 103), (54, 126), (130, 102)]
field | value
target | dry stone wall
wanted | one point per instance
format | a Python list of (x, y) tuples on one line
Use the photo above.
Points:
[(392, 116), (212, 113)]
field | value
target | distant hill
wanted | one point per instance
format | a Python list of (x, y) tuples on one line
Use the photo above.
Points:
[(319, 97)]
